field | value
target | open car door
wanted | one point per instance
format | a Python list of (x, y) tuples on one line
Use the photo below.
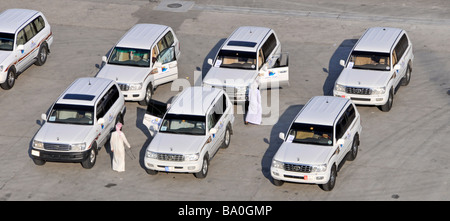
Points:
[(278, 74), (153, 115), (167, 66)]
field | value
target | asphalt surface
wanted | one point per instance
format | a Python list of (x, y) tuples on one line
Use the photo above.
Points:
[(404, 154)]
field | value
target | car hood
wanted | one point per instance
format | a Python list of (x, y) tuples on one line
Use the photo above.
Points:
[(363, 78), (63, 133), (124, 74), (3, 56), (229, 77), (303, 153), (176, 143)]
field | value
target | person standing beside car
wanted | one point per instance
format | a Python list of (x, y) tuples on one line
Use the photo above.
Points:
[(117, 142)]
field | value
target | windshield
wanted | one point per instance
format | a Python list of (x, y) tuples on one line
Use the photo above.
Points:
[(72, 114), (369, 61), (6, 41), (130, 57), (311, 134), (183, 124), (236, 59)]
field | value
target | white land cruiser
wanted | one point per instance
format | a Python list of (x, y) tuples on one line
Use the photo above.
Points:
[(249, 54), (25, 38), (322, 136), (378, 64), (145, 57), (79, 122), (197, 123)]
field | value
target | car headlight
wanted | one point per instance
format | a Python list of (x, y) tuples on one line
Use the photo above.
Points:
[(136, 86), (191, 157), (379, 90), (38, 144), (338, 87), (78, 146), (319, 168), (151, 154), (277, 164)]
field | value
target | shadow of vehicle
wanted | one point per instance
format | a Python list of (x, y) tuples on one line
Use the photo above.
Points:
[(334, 68), (274, 141)]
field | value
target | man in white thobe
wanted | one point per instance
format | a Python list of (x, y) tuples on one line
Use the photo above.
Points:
[(117, 142), (254, 112)]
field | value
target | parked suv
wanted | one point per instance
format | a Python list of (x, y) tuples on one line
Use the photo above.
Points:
[(249, 54), (145, 57), (79, 122), (322, 136), (197, 123), (25, 39), (378, 64)]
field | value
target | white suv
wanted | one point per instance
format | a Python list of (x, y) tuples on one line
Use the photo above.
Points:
[(197, 123), (322, 136), (249, 54), (25, 38), (145, 57), (378, 64), (79, 122)]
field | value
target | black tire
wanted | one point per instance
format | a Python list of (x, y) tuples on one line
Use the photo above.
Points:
[(38, 162), (42, 55), (227, 138), (89, 162), (10, 79), (354, 151), (151, 172), (205, 166), (332, 181), (407, 78), (278, 182), (388, 105), (148, 95)]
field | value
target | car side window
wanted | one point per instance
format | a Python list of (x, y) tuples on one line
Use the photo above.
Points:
[(169, 38), (211, 120), (30, 32), (21, 38), (107, 101), (269, 45), (350, 114), (401, 47), (162, 44), (39, 23), (341, 127)]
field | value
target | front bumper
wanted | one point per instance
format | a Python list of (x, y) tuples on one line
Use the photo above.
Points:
[(59, 156), (298, 177), (137, 95), (173, 166), (377, 100)]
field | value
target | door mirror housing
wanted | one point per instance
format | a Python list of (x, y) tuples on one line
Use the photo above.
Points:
[(44, 116), (101, 121), (281, 135), (342, 63), (340, 142), (210, 61), (104, 59), (212, 131), (397, 67)]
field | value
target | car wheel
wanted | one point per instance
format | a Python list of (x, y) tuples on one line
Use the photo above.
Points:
[(388, 105), (42, 55), (227, 138), (407, 78), (332, 181), (38, 162), (151, 172), (89, 162), (10, 79), (204, 171), (278, 182), (148, 95), (354, 151)]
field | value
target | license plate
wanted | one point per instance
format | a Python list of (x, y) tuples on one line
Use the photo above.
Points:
[(35, 153)]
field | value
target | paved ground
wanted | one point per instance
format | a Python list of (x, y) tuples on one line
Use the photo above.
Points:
[(404, 154)]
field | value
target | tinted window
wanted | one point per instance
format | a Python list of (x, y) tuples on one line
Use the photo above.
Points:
[(341, 126), (107, 101), (311, 134), (350, 114), (183, 124), (6, 41), (39, 23), (21, 38), (169, 38), (401, 47), (269, 45), (162, 44), (30, 31), (71, 114)]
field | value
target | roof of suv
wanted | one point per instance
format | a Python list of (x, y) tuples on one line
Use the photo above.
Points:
[(246, 38), (12, 19), (378, 39), (141, 36), (321, 110), (194, 101), (84, 91)]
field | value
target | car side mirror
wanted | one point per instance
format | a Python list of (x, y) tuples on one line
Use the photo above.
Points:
[(212, 131), (104, 59), (342, 63), (157, 65), (210, 61), (43, 116), (397, 67), (340, 142), (101, 121), (281, 135)]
